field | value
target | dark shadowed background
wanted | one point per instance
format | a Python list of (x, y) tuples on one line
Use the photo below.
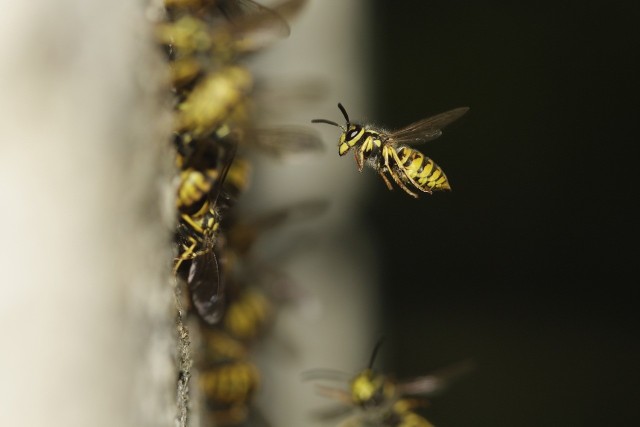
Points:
[(529, 266)]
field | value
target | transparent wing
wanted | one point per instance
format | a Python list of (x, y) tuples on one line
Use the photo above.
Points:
[(247, 14), (426, 129), (224, 166), (205, 287), (285, 140), (436, 382)]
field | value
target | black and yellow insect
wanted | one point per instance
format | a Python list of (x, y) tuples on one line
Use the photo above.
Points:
[(197, 236), (228, 379), (199, 172), (382, 400), (390, 152), (402, 414), (198, 42)]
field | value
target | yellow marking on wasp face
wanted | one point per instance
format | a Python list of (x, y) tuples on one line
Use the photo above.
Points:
[(344, 147), (363, 387)]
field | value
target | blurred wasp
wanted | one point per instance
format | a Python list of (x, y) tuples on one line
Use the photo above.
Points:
[(382, 400), (227, 379), (197, 44), (401, 414), (198, 117), (197, 236), (199, 171), (390, 152)]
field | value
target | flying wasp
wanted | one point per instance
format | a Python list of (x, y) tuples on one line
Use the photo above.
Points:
[(390, 152), (381, 399), (197, 236)]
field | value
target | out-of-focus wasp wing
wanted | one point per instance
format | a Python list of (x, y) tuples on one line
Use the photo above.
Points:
[(285, 140), (427, 129), (242, 237), (248, 15), (226, 161), (435, 382), (277, 98), (326, 375)]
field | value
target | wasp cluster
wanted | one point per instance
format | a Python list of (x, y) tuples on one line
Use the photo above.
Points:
[(204, 41)]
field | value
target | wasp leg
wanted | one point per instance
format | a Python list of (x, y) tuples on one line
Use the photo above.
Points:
[(187, 254), (396, 178), (359, 156), (415, 184), (386, 180), (398, 181)]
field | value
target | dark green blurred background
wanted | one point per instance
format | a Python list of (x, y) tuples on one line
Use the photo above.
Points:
[(530, 265)]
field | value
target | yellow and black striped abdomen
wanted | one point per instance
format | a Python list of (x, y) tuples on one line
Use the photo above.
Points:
[(248, 315), (193, 190), (420, 170), (230, 383)]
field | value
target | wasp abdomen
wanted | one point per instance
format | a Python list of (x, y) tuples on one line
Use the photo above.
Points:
[(421, 170)]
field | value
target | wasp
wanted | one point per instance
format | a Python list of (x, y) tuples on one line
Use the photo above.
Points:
[(391, 152), (381, 399), (197, 237), (402, 414), (199, 172), (198, 116), (227, 379), (197, 44)]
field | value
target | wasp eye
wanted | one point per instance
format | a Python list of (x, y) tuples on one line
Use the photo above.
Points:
[(352, 134)]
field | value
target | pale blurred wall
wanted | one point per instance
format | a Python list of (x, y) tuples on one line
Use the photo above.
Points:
[(86, 302)]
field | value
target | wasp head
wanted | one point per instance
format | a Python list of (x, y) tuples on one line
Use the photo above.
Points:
[(351, 133), (370, 389)]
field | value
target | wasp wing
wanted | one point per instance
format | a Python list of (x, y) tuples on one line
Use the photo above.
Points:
[(204, 279), (436, 382), (248, 15), (285, 140), (224, 166), (427, 129), (205, 287)]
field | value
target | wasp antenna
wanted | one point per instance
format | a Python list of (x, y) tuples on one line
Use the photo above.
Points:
[(375, 352), (329, 122), (344, 113)]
